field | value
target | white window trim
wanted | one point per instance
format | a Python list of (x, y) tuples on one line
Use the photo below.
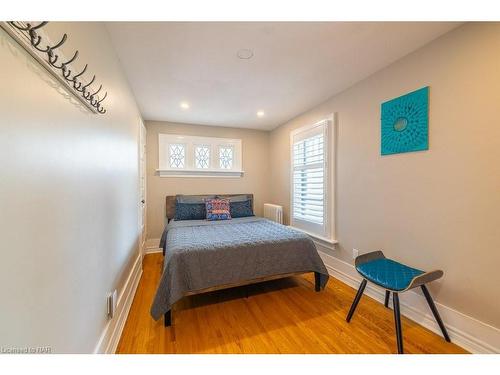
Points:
[(328, 236), (190, 170), (325, 242)]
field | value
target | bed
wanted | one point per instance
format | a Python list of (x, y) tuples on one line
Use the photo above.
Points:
[(203, 256)]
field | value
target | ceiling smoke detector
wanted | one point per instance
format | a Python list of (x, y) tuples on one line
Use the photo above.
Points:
[(244, 54)]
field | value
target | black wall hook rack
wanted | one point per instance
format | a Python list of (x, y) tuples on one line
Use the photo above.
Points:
[(30, 37)]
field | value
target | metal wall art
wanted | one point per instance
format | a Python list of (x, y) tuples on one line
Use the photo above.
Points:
[(405, 123)]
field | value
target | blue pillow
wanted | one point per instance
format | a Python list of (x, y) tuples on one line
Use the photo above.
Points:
[(241, 209), (190, 211)]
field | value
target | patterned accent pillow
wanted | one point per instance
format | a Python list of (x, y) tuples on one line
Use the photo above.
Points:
[(241, 209), (218, 209), (190, 211)]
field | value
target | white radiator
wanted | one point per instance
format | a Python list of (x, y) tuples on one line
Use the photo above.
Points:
[(273, 212)]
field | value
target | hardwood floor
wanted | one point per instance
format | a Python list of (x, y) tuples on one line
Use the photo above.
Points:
[(283, 316)]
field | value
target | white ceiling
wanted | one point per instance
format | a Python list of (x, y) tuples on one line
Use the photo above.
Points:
[(295, 65)]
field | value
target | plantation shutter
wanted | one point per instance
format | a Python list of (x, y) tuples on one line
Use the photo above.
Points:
[(309, 187)]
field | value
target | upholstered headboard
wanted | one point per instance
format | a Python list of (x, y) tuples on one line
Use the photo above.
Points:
[(170, 201)]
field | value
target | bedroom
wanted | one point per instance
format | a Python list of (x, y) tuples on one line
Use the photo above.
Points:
[(316, 187)]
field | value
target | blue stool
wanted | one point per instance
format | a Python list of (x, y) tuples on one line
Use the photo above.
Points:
[(396, 278)]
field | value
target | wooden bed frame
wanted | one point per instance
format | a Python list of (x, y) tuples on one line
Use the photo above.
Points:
[(170, 213)]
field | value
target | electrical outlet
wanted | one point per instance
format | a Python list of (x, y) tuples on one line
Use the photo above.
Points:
[(111, 303), (355, 253)]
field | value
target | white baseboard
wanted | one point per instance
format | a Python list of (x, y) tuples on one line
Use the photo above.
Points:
[(465, 331), (153, 246), (113, 330)]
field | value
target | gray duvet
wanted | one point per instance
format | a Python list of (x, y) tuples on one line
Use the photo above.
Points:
[(203, 254)]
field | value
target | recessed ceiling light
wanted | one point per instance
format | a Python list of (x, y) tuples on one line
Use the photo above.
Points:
[(244, 53), (260, 114), (184, 105)]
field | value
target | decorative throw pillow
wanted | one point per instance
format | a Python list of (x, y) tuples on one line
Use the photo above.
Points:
[(218, 209), (241, 209), (190, 211)]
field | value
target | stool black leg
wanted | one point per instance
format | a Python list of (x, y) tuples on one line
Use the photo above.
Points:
[(435, 312), (397, 320), (317, 281), (356, 300), (387, 295), (168, 318)]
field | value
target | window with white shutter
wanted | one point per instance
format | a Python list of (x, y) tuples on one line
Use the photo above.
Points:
[(310, 195)]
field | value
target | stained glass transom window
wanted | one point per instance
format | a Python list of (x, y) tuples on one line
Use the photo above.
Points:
[(226, 157), (177, 155), (202, 157)]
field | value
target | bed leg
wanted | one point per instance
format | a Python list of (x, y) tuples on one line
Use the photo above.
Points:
[(317, 281), (168, 318)]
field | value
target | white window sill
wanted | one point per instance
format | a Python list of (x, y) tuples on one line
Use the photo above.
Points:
[(198, 173), (323, 241)]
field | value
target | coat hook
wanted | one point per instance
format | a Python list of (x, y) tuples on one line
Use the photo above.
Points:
[(52, 57), (63, 65), (98, 106), (66, 73), (28, 26), (29, 30), (70, 60), (41, 24), (77, 86), (86, 93), (22, 28), (61, 42), (91, 98), (79, 74), (35, 40), (104, 97)]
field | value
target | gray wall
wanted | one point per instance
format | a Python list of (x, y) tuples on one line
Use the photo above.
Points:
[(68, 196), (434, 209)]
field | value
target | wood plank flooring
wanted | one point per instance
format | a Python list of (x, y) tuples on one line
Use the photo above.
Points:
[(283, 316)]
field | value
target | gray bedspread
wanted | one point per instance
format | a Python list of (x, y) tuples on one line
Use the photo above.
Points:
[(203, 254)]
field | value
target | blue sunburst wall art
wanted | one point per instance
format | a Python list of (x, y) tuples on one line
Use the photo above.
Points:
[(405, 123)]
